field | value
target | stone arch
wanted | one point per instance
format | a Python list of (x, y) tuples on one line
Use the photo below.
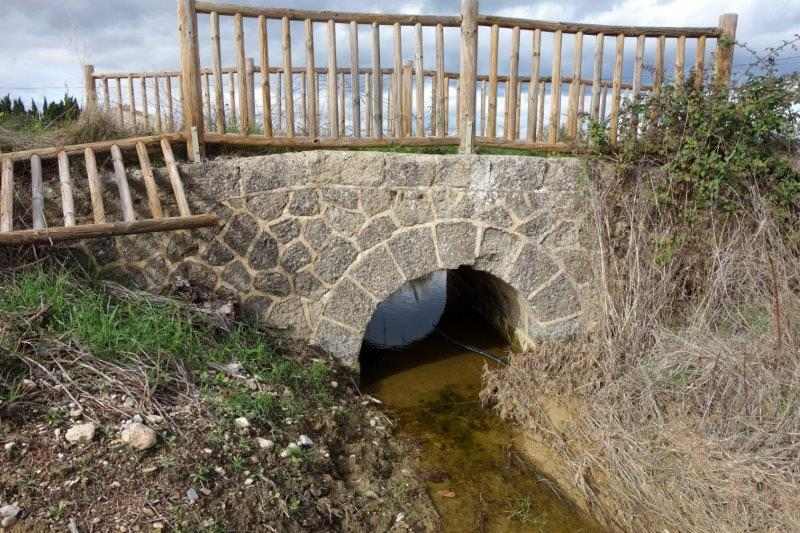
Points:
[(546, 297)]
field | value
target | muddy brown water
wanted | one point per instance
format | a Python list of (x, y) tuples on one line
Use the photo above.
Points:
[(476, 478)]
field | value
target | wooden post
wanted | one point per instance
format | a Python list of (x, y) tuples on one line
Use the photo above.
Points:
[(533, 86), (95, 185), (89, 88), (483, 108), (312, 126), (434, 101), (680, 62), (132, 103), (216, 58), (377, 82), (266, 96), (616, 89), (191, 94), (638, 67), (67, 202), (419, 79), (37, 195), (106, 96), (342, 108), (153, 200), (241, 71), (406, 102), (491, 130), (159, 122), (397, 113), (540, 121), (368, 100), (575, 87), (145, 105), (597, 75), (207, 92), (304, 101), (234, 121), (725, 44), (441, 86), (355, 85), (175, 179), (658, 74), (279, 99), (699, 62), (512, 88), (469, 68), (555, 91), (251, 92), (7, 196), (121, 179), (288, 77), (120, 108), (170, 106), (333, 100)]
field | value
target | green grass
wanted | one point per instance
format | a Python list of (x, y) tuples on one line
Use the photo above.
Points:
[(79, 310)]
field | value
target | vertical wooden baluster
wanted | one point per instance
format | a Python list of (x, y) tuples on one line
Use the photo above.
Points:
[(575, 86), (540, 121), (279, 99), (251, 91), (208, 112), (533, 86), (397, 82), (519, 111), (483, 108), (603, 101), (287, 72), (658, 74), (170, 105), (597, 76), (241, 71), (441, 89), (407, 98), (149, 181), (458, 107), (638, 67), (333, 97), (616, 89), (37, 195), (447, 106), (368, 101), (67, 202), (145, 105), (512, 89), (555, 91), (7, 196), (312, 126), (121, 178), (355, 85), (680, 62), (175, 179), (419, 79), (95, 186), (120, 107), (234, 119), (131, 102), (304, 101), (159, 123), (216, 58), (377, 82), (106, 96), (266, 96), (699, 62), (493, 48), (389, 106), (434, 118), (342, 107)]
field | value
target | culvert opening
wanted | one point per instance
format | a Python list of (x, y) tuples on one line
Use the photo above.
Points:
[(424, 354)]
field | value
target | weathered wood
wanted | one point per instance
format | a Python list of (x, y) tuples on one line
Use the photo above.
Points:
[(170, 106), (333, 99), (533, 87), (131, 103), (207, 96), (512, 100), (419, 81), (266, 100), (191, 95), (355, 86), (145, 104), (433, 120), (575, 87), (95, 185), (397, 82), (241, 68), (441, 88), (368, 100), (540, 121), (603, 102), (594, 29), (312, 125), (67, 200), (121, 179), (233, 118), (175, 178), (327, 142), (491, 120), (555, 91), (377, 83), (469, 69), (7, 196), (153, 200), (216, 58), (458, 108), (616, 89), (120, 107), (680, 62), (37, 195), (483, 109), (699, 63), (106, 97), (89, 88), (251, 91), (725, 45), (99, 146), (342, 106), (638, 67), (90, 231), (287, 73), (597, 76), (658, 71), (157, 94), (406, 99)]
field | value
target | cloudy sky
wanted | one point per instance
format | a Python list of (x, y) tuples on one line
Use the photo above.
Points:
[(45, 42)]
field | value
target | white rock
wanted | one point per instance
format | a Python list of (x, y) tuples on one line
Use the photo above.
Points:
[(248, 481), (9, 446), (291, 449), (8, 515), (75, 413), (138, 436), (29, 385), (192, 496), (305, 442), (81, 432), (154, 419), (265, 444), (242, 423)]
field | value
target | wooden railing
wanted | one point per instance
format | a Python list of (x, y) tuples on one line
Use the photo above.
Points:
[(387, 95)]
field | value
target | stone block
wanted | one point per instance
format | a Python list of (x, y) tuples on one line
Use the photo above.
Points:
[(345, 222), (345, 198), (405, 171), (218, 254), (295, 257), (264, 255), (304, 203), (532, 269), (374, 201), (456, 242), (236, 275), (361, 169), (285, 230), (498, 248), (289, 314), (414, 250), (268, 206), (556, 300), (348, 304), (413, 208), (339, 341), (273, 283), (240, 232), (377, 272), (334, 259), (376, 231), (513, 173)]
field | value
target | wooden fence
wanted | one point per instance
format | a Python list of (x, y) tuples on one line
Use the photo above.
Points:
[(385, 94)]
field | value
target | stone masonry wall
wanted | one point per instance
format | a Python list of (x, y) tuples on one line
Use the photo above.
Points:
[(311, 242)]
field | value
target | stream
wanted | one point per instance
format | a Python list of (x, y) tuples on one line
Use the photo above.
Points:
[(415, 361)]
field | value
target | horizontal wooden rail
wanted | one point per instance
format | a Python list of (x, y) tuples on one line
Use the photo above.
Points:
[(325, 16), (100, 146), (594, 29), (90, 231)]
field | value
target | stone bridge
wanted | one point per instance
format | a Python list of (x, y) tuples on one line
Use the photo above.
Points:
[(312, 242)]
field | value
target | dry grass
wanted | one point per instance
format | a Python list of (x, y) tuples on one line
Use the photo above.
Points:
[(692, 389)]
